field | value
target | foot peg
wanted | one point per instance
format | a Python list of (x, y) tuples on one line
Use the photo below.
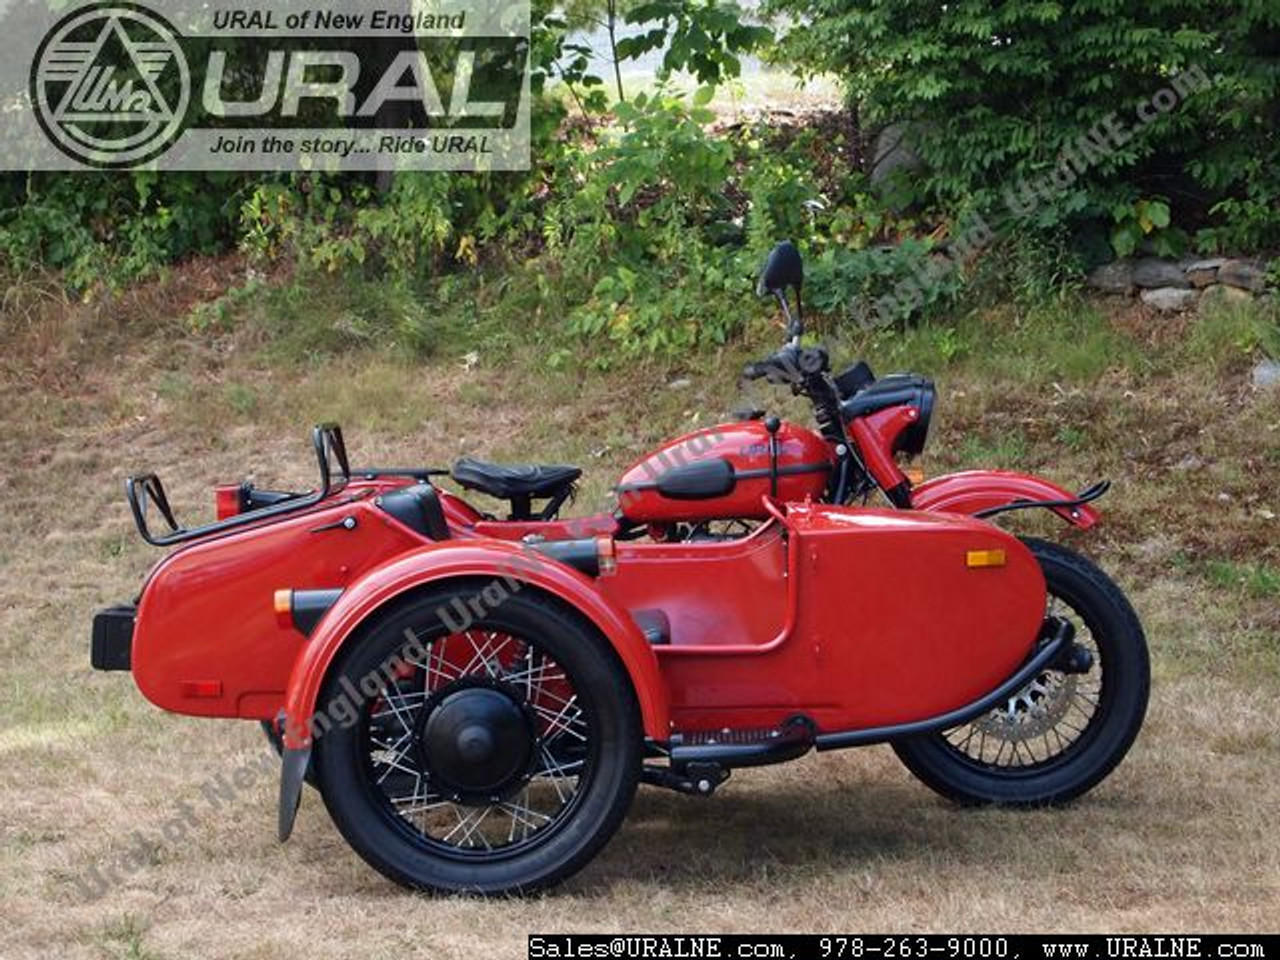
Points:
[(696, 779)]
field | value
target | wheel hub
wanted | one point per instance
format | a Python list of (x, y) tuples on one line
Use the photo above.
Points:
[(476, 744)]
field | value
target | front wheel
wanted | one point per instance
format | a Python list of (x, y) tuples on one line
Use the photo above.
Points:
[(1060, 735), (488, 758)]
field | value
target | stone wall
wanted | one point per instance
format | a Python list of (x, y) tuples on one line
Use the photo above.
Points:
[(1171, 286)]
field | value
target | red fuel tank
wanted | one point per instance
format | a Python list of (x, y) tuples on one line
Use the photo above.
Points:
[(722, 472)]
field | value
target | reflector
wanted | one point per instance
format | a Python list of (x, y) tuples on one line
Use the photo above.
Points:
[(984, 558)]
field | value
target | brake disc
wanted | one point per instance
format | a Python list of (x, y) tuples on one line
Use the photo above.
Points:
[(1033, 711)]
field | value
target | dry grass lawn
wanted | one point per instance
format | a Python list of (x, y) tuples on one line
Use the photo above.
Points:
[(1182, 837)]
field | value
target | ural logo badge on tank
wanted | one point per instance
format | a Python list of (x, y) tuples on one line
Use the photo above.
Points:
[(475, 690), (110, 85)]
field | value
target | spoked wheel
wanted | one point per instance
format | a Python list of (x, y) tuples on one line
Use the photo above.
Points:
[(494, 759), (1066, 730)]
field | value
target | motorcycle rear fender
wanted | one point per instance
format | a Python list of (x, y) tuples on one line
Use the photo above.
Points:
[(502, 562), (972, 491)]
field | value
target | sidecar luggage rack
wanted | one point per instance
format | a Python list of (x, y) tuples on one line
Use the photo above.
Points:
[(145, 490)]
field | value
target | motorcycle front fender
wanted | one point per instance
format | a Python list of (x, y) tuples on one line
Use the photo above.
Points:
[(975, 492)]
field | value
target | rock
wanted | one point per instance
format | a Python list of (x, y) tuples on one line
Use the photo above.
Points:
[(892, 154), (1219, 295), (1169, 299), (681, 383), (1266, 374), (1213, 263), (1114, 277), (1243, 274), (1152, 273)]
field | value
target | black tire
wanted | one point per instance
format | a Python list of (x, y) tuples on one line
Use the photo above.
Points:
[(1106, 718), (400, 825)]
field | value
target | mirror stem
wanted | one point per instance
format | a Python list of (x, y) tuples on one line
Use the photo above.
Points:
[(793, 326)]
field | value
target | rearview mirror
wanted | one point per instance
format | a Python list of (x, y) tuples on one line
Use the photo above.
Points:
[(783, 269)]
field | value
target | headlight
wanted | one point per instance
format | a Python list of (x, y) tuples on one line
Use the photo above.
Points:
[(911, 440)]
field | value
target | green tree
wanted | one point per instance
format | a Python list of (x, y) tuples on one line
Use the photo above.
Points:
[(996, 94)]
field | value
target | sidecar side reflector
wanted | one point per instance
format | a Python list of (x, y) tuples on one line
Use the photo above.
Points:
[(200, 689), (984, 558)]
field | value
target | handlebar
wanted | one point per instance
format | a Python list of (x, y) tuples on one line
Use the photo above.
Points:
[(807, 370), (791, 365)]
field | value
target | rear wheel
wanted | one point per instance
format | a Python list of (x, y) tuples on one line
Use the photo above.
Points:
[(1060, 735), (499, 758)]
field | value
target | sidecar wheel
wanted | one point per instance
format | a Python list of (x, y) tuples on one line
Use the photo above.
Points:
[(495, 759), (1063, 733)]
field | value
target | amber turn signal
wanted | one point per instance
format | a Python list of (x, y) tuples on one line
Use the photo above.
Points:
[(984, 558), (607, 558), (282, 603)]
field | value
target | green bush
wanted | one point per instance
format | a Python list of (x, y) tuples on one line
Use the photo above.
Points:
[(114, 227), (1016, 101)]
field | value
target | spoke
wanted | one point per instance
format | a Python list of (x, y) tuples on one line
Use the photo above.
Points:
[(402, 697), (400, 715), (564, 770), (471, 824), (394, 718), (526, 816), (1082, 695), (551, 774), (511, 834), (558, 725), (486, 654), (1000, 752), (433, 663), (393, 764), (428, 804), (1070, 726), (1062, 744), (533, 677), (412, 797)]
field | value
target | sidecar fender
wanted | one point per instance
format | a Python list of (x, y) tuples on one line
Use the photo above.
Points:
[(509, 566), (974, 491)]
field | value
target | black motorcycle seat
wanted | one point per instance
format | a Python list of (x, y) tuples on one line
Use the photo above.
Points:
[(509, 480)]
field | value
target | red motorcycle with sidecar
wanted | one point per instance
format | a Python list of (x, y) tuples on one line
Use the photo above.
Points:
[(476, 697)]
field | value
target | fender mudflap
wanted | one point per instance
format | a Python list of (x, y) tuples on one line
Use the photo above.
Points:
[(293, 771)]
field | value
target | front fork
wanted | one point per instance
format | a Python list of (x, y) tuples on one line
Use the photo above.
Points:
[(857, 473)]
